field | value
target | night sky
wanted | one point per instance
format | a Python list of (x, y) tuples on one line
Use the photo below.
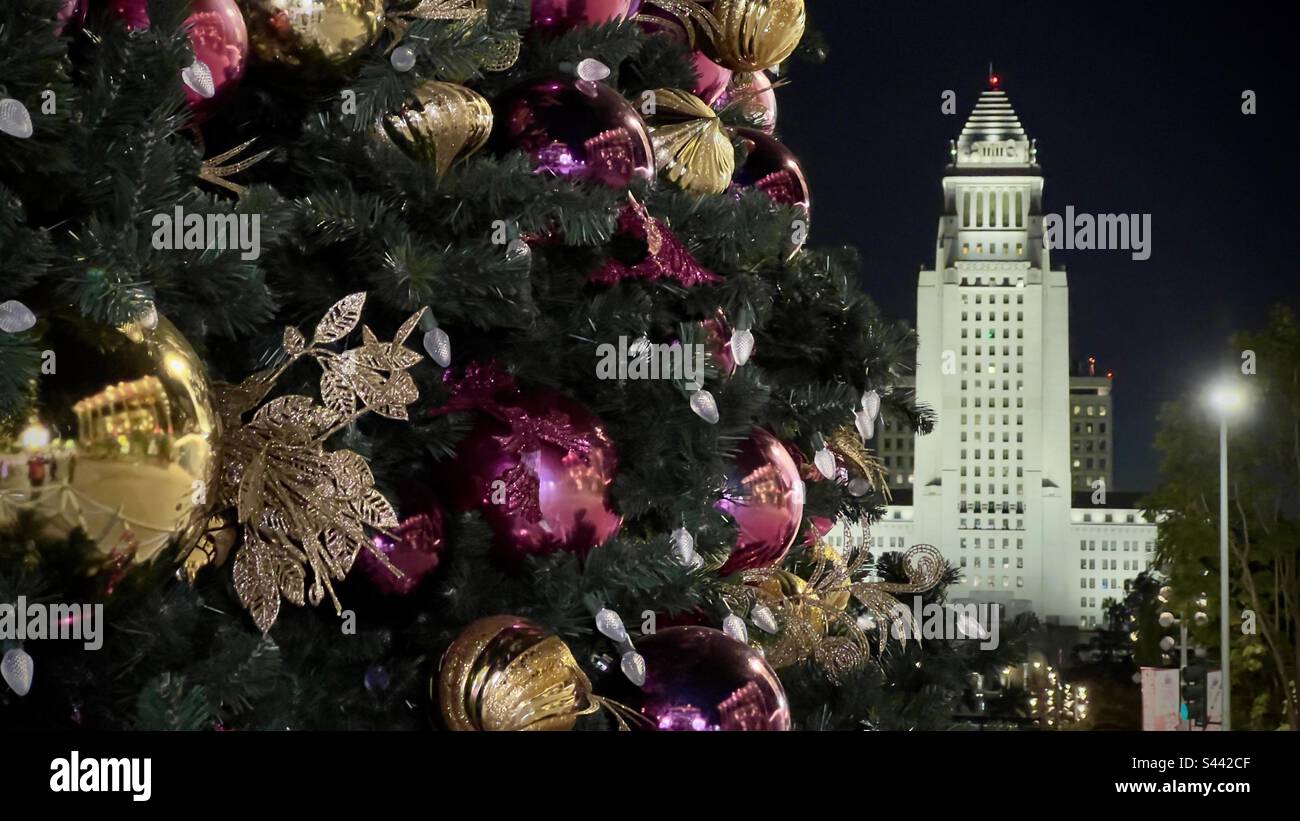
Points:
[(1136, 108)]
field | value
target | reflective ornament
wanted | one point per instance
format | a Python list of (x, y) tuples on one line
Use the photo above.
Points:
[(574, 128), (700, 679), (773, 169), (753, 95), (753, 35), (444, 123), (691, 147), (712, 79), (220, 40), (402, 59), (414, 547), (294, 32), (506, 673), (765, 496), (121, 441), (558, 16), (538, 466)]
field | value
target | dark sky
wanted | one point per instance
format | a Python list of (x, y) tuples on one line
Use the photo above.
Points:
[(1136, 107)]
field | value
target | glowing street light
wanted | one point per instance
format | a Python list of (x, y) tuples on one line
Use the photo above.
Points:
[(1226, 398)]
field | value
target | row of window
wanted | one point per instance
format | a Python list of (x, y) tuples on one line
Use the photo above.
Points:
[(1113, 545), (993, 419), (993, 454), (1005, 282), (993, 334), (977, 507), (1101, 463), (1006, 562), (1020, 489), (993, 581), (1091, 410), (1110, 564), (1088, 427), (993, 543), (1020, 437), (980, 209), (993, 249), (993, 350), (993, 316), (1020, 524), (993, 299), (1088, 445)]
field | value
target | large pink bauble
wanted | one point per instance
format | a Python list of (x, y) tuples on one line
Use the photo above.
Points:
[(573, 510), (698, 679), (574, 128), (765, 496), (72, 13), (220, 40), (561, 15), (754, 95), (773, 169)]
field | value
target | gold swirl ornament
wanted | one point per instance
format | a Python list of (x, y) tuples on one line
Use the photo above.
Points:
[(505, 673), (752, 35), (691, 147), (445, 122)]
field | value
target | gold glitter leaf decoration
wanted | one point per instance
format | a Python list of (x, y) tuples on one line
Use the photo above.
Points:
[(298, 505)]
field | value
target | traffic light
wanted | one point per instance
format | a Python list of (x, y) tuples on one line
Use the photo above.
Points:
[(1193, 693)]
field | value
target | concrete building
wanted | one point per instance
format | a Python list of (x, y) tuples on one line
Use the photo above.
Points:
[(1014, 485)]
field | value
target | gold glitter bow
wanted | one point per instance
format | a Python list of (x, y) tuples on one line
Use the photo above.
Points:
[(212, 170)]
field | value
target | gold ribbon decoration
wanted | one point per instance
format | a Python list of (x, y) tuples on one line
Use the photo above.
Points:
[(215, 171), (691, 147)]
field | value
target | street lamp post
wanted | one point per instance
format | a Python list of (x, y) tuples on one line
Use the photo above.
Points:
[(1225, 399)]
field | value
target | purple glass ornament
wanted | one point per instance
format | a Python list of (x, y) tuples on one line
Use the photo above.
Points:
[(556, 16), (539, 470), (773, 169), (220, 41), (413, 548), (713, 79), (700, 679), (575, 128), (765, 496), (72, 13), (754, 95)]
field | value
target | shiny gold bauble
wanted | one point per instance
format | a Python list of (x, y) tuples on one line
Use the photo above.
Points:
[(691, 147), (293, 31), (121, 440), (444, 123), (507, 673), (755, 34)]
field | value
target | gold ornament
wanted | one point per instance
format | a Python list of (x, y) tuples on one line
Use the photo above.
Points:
[(122, 441), (507, 673), (445, 123), (691, 146), (291, 31), (810, 613), (219, 168), (298, 505), (752, 35)]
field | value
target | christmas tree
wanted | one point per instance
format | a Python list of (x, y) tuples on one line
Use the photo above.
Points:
[(353, 350)]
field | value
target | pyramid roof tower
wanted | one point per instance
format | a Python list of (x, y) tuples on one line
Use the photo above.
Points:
[(993, 138)]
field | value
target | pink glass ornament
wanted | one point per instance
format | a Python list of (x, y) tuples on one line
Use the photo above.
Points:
[(699, 679), (773, 169), (575, 128), (220, 40), (557, 16), (765, 496), (71, 14), (754, 95), (538, 466)]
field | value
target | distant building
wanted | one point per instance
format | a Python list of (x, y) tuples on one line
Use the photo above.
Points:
[(1014, 484)]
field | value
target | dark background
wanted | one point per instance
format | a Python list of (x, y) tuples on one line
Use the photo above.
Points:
[(1136, 108)]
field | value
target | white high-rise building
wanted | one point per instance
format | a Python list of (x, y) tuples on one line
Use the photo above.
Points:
[(994, 486)]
